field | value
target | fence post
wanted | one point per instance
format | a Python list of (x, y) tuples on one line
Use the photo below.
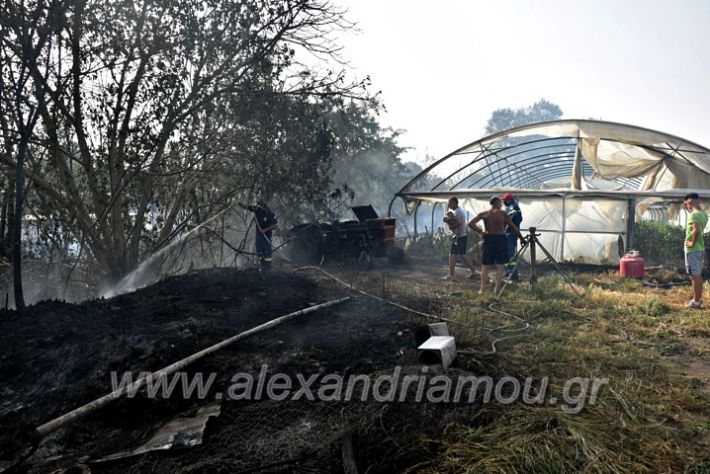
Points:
[(533, 256)]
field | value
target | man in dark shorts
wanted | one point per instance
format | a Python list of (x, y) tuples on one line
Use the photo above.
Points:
[(495, 247), (266, 223), (456, 222)]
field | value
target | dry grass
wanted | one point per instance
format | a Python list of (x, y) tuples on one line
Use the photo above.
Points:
[(654, 415)]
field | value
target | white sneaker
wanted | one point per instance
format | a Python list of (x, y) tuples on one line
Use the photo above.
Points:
[(694, 304), (448, 277)]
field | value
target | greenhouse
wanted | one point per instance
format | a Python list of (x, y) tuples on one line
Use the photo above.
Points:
[(581, 183)]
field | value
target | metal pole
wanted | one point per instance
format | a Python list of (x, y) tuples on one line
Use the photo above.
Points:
[(433, 211), (90, 407), (416, 211), (533, 256), (630, 223), (389, 209), (564, 228)]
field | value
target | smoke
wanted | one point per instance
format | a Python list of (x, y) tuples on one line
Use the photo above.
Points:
[(224, 240)]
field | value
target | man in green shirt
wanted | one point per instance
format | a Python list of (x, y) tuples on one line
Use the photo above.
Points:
[(695, 246)]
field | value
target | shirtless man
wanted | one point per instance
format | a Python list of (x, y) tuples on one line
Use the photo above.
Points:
[(495, 248)]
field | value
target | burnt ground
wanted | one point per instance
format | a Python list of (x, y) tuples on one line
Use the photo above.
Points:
[(57, 356)]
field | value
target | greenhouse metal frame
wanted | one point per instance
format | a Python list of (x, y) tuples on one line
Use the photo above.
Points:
[(583, 182)]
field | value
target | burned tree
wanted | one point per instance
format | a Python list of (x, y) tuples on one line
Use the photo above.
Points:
[(143, 127), (26, 38)]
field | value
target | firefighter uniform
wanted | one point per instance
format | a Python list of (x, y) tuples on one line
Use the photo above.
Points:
[(513, 210), (265, 218)]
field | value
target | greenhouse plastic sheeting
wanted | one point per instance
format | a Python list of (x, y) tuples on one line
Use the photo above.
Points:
[(577, 240), (575, 180)]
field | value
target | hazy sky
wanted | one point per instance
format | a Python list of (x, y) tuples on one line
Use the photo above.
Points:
[(444, 66)]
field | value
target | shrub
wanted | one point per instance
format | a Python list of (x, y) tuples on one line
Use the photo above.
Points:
[(659, 242)]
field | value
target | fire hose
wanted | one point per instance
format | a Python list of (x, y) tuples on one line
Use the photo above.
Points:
[(491, 307), (504, 328)]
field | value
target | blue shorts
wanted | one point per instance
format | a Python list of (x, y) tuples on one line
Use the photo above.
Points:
[(694, 263)]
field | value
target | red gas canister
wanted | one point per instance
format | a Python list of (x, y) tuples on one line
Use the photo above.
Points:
[(631, 265)]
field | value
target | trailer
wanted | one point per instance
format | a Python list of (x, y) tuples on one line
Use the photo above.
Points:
[(344, 242)]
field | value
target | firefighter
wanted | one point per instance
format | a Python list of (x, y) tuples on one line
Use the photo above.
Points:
[(266, 223), (516, 216)]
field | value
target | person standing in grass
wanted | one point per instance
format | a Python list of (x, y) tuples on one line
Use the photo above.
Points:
[(495, 248), (456, 220), (695, 247)]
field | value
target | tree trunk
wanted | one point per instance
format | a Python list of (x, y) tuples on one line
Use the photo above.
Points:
[(17, 237), (5, 216)]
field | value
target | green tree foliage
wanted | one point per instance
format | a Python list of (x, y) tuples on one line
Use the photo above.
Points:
[(507, 118)]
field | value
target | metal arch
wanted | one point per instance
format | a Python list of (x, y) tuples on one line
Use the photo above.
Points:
[(527, 179), (538, 162), (562, 175), (518, 178), (514, 145), (700, 149), (478, 158), (550, 169), (532, 159), (486, 182), (678, 151), (483, 156), (664, 151), (513, 163), (555, 175), (554, 167), (542, 179), (490, 180), (631, 183), (521, 177)]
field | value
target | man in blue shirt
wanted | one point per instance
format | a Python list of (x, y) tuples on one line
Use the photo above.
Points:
[(266, 223), (513, 210)]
